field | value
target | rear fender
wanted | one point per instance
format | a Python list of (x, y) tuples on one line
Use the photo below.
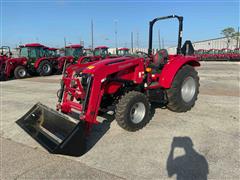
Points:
[(9, 68), (38, 61), (61, 61), (171, 68), (12, 63), (91, 58)]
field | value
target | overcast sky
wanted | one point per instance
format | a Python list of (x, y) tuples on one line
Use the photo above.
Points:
[(48, 22)]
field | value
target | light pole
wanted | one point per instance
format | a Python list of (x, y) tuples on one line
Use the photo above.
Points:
[(116, 39), (132, 41), (92, 32), (159, 40)]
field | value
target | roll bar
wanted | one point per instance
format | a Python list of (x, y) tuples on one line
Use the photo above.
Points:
[(180, 29), (5, 47)]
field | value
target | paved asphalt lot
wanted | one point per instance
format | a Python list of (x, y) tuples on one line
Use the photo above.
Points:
[(212, 126)]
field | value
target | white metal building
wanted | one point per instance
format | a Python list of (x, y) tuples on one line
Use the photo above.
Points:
[(217, 43)]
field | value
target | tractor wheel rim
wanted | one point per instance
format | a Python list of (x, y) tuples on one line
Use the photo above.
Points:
[(188, 89), (22, 72), (46, 68), (137, 112)]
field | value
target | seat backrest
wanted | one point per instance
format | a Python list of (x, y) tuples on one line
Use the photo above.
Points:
[(161, 57), (187, 48)]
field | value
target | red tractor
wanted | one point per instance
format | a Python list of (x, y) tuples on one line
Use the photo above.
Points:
[(126, 85), (71, 55), (87, 52), (235, 55), (51, 52), (123, 52), (212, 55), (225, 54), (39, 62), (11, 67), (99, 53), (200, 53)]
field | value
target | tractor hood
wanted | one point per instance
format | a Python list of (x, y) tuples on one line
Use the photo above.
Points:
[(3, 58), (65, 57), (19, 59), (92, 68)]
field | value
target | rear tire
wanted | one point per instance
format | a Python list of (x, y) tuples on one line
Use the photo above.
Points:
[(184, 91), (32, 73), (20, 72), (133, 111), (2, 76), (59, 71), (44, 68)]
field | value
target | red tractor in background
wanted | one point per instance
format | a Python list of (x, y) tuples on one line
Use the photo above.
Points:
[(225, 54), (71, 54), (235, 56), (99, 53), (11, 67), (126, 85), (123, 52), (52, 52), (200, 53), (87, 52), (38, 60), (212, 55)]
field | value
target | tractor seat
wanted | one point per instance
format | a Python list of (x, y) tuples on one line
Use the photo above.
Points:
[(160, 58)]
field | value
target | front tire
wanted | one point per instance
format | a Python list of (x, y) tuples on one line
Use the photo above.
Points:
[(133, 111), (44, 68), (2, 76), (184, 91), (20, 72)]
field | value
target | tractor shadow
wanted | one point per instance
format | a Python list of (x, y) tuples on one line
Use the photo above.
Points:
[(191, 165), (98, 131), (101, 129)]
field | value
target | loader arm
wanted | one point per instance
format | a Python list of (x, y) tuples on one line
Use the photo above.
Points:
[(98, 77)]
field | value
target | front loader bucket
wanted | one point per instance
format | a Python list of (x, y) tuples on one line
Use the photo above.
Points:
[(54, 131)]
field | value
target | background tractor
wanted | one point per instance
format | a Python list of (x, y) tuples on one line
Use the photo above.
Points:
[(225, 54), (87, 52), (123, 52), (126, 85), (99, 53), (51, 52), (71, 54), (11, 67), (37, 58), (235, 55)]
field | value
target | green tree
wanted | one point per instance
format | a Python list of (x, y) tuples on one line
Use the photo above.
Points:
[(230, 34)]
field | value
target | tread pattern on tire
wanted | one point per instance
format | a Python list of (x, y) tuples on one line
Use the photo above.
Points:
[(122, 111), (175, 102), (16, 75), (40, 69)]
